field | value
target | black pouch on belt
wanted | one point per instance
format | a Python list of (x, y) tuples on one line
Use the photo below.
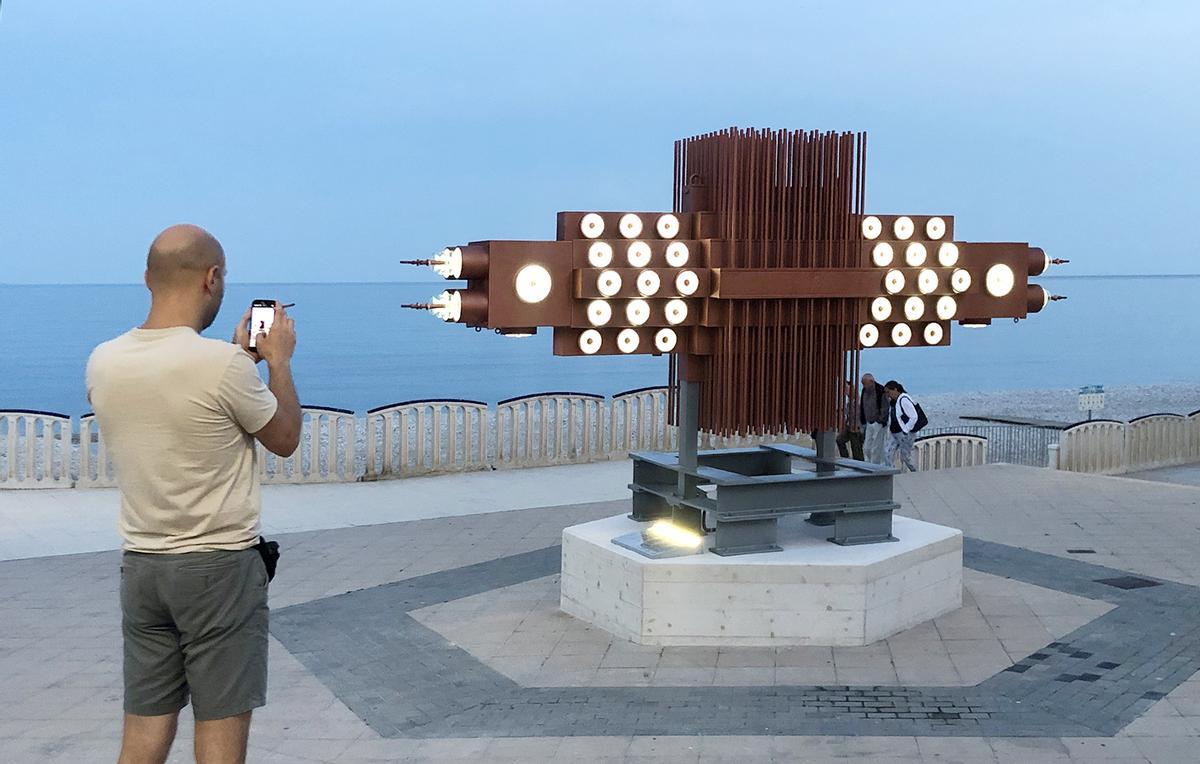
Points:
[(269, 551)]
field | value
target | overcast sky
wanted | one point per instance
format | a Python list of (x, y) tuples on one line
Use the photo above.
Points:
[(324, 141)]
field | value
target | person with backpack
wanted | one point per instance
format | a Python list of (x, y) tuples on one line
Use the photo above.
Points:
[(905, 421)]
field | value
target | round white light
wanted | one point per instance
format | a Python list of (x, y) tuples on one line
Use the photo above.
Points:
[(915, 254), (927, 281), (638, 312), (533, 283), (935, 228), (901, 335), (449, 306), (609, 283), (999, 280), (871, 227), (868, 335), (668, 226), (933, 334), (946, 307), (677, 311), (600, 254), (590, 341), (591, 226), (665, 340), (914, 308), (638, 254), (948, 254), (882, 255), (630, 226), (648, 283), (628, 340), (687, 283), (881, 309), (903, 227), (960, 280), (893, 282), (599, 312), (677, 254)]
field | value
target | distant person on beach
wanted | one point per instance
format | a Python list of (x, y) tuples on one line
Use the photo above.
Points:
[(873, 410), (851, 428), (180, 415), (903, 424)]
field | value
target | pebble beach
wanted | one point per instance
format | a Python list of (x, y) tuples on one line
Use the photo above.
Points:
[(1122, 402)]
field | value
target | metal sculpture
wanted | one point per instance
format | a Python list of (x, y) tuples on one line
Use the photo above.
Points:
[(762, 284)]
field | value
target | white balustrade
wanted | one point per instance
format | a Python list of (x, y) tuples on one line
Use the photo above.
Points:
[(549, 428), (35, 449), (326, 454), (433, 436), (1157, 440), (712, 440), (948, 450), (1096, 446), (637, 421), (95, 465), (424, 437)]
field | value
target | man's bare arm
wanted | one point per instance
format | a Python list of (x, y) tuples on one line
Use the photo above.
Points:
[(281, 435)]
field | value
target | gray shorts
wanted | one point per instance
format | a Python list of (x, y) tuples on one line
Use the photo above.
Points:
[(194, 623)]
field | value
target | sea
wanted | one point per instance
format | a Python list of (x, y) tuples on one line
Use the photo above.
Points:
[(358, 349)]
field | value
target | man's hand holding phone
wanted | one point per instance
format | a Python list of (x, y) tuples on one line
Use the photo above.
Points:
[(258, 323), (268, 334), (277, 345)]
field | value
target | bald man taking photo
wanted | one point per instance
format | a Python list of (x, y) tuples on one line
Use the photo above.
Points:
[(180, 415)]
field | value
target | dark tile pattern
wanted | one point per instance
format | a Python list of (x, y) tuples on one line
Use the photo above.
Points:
[(406, 680)]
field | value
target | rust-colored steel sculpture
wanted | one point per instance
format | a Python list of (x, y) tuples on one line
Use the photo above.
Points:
[(763, 283)]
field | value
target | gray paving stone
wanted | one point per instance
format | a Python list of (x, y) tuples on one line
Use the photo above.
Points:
[(374, 656)]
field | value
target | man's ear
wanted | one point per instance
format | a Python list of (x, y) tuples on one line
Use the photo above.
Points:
[(212, 277)]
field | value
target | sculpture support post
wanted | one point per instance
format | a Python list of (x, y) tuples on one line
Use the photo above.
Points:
[(827, 453), (826, 464), (689, 426), (687, 481)]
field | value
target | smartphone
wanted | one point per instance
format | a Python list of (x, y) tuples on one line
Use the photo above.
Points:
[(262, 315)]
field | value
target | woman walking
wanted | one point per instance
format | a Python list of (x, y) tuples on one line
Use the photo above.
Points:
[(902, 422)]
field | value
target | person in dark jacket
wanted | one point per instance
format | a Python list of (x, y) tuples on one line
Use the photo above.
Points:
[(873, 410)]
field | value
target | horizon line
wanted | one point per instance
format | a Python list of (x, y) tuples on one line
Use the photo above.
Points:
[(443, 281)]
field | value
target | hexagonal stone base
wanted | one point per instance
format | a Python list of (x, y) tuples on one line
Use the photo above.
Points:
[(811, 593)]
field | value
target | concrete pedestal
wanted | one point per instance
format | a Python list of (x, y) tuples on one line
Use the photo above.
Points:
[(811, 593)]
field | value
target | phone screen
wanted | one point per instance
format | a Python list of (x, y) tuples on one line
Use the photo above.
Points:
[(261, 318)]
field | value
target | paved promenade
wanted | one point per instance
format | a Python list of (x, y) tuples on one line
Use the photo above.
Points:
[(417, 620)]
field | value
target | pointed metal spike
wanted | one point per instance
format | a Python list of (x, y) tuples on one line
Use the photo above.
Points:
[(1059, 261), (1057, 297)]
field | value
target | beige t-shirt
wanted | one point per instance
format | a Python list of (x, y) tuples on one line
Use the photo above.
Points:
[(176, 411)]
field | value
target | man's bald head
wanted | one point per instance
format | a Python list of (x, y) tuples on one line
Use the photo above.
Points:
[(182, 255)]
